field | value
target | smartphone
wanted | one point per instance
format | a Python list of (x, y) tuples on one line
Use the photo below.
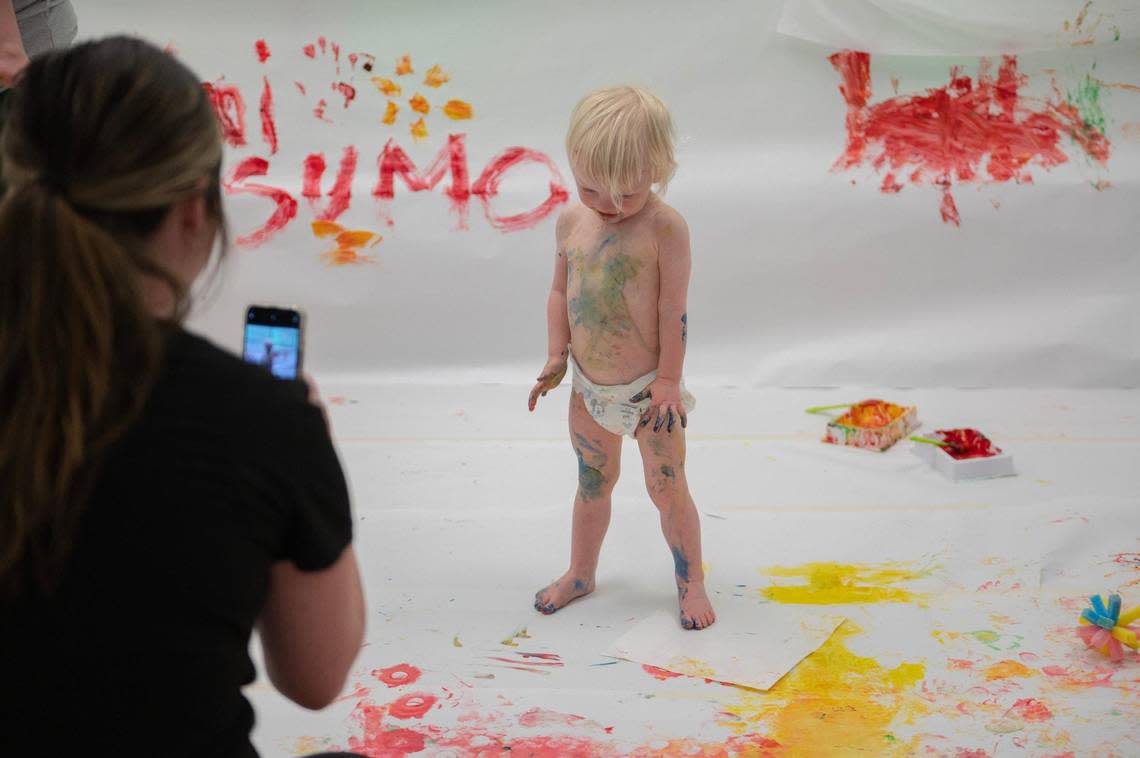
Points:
[(273, 339)]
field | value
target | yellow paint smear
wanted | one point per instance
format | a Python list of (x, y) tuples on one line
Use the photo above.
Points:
[(390, 114), (419, 104), (829, 582), (835, 703), (691, 667), (419, 130), (457, 110), (1008, 669), (435, 77), (387, 86)]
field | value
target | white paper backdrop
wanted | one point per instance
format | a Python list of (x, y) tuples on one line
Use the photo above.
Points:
[(803, 275)]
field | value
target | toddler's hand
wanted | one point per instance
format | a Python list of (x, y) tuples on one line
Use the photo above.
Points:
[(666, 408), (549, 378)]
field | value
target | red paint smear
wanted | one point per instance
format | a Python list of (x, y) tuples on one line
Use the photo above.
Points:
[(352, 58), (949, 132), (336, 55), (661, 674), (487, 186), (968, 753), (319, 111), (401, 673), (361, 691), (412, 706), (300, 87), (1101, 677), (1127, 559), (378, 742), (393, 161), (321, 41), (543, 717), (1032, 709), (262, 51), (310, 51), (229, 108), (347, 90), (286, 204), (268, 127), (960, 663), (544, 656)]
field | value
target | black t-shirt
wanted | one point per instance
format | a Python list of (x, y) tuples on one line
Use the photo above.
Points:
[(144, 648)]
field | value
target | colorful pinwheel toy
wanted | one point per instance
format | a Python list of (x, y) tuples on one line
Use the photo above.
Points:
[(1106, 628)]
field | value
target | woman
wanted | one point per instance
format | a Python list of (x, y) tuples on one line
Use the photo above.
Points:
[(158, 497)]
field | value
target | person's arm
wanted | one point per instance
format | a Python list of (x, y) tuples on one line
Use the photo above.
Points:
[(311, 628), (557, 322), (13, 57), (673, 263)]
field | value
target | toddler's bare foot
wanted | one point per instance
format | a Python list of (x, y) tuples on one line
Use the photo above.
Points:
[(696, 610), (562, 591)]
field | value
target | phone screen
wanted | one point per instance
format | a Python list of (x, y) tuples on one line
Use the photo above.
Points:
[(273, 340)]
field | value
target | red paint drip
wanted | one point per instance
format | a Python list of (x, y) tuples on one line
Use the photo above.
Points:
[(309, 51), (487, 186), (262, 51), (347, 90), (951, 133), (286, 204), (412, 706), (352, 58), (323, 44), (393, 162), (268, 126), (397, 675), (229, 108), (341, 194), (300, 87)]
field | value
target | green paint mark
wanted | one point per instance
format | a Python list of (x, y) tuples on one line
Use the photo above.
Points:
[(1116, 34), (590, 480), (1086, 99), (890, 738), (996, 641), (600, 304)]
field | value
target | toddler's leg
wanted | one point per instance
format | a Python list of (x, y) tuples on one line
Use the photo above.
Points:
[(663, 455), (599, 462)]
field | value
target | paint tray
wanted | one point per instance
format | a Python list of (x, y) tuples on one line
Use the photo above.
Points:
[(961, 469), (871, 424)]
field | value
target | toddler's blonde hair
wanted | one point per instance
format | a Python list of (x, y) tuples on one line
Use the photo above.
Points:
[(617, 135)]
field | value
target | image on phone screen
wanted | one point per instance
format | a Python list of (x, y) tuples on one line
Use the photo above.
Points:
[(273, 340)]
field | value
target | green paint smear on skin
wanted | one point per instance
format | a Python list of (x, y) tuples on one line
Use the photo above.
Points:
[(590, 480), (600, 305), (1086, 99)]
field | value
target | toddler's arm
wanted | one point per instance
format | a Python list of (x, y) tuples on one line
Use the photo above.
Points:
[(557, 322)]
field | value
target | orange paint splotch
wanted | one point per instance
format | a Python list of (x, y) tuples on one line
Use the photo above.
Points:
[(1032, 709), (404, 65), (348, 245), (829, 582), (419, 130), (457, 110), (835, 703), (1008, 669), (390, 114), (659, 673), (386, 86), (436, 77), (419, 104)]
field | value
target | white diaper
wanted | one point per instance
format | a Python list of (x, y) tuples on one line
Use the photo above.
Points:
[(609, 404)]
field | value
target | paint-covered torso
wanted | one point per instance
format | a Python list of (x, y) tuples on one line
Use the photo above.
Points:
[(612, 290)]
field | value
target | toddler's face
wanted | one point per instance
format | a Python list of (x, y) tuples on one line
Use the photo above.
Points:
[(598, 199)]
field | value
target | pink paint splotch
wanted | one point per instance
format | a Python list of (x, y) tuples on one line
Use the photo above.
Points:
[(951, 134)]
